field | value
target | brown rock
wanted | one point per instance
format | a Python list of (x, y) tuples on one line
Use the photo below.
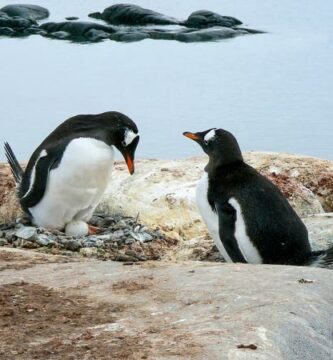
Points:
[(9, 205)]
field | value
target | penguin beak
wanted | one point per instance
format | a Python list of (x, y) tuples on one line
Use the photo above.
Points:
[(130, 163), (191, 136)]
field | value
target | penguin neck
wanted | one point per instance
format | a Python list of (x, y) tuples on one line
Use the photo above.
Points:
[(222, 164)]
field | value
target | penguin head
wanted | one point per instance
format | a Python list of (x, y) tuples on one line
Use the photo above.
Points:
[(118, 130), (126, 140), (220, 145)]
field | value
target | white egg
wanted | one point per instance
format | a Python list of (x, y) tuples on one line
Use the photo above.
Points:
[(76, 228)]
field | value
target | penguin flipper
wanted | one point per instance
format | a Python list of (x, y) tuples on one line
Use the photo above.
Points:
[(227, 221), (36, 190)]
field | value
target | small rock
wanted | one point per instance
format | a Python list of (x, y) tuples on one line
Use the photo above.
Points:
[(73, 245), (43, 240), (3, 242), (88, 251), (137, 236), (72, 18), (27, 233), (117, 235), (10, 235)]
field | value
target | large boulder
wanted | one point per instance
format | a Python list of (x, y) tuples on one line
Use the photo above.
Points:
[(9, 205), (31, 12), (162, 310), (163, 191), (129, 14)]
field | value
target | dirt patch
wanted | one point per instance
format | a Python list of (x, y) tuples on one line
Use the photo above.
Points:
[(20, 261), (37, 322), (132, 285), (41, 323)]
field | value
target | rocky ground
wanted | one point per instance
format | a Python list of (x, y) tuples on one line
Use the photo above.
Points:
[(59, 301), (90, 309)]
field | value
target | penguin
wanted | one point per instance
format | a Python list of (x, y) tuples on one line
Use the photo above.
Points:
[(247, 216), (69, 171)]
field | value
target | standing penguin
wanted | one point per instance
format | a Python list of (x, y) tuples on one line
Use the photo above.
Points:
[(68, 173), (247, 216)]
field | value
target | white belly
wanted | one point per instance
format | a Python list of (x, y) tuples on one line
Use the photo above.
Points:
[(209, 216), (75, 187), (245, 245)]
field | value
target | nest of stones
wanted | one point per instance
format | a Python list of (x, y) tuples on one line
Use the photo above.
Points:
[(119, 238)]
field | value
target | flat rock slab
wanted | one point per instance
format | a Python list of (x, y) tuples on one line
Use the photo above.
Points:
[(166, 310)]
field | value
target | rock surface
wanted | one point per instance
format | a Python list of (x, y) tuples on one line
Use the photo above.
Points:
[(169, 188), (157, 310)]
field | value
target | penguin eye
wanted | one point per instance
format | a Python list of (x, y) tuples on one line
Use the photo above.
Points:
[(205, 142), (123, 143)]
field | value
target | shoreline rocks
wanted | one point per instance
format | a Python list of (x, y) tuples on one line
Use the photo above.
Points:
[(129, 23)]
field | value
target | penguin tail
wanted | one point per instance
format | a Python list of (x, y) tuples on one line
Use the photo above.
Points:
[(322, 259), (15, 166)]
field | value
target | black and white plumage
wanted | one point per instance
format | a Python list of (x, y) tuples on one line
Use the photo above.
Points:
[(247, 216), (68, 173)]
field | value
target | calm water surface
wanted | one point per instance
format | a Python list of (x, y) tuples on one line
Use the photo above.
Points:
[(273, 91)]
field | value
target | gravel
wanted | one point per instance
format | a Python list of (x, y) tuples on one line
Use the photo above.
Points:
[(119, 238)]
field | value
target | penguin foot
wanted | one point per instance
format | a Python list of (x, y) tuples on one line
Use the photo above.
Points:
[(92, 230)]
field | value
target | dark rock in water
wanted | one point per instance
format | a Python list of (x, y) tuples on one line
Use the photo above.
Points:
[(7, 31), (31, 12), (77, 31), (128, 14), (72, 18), (129, 36), (15, 23), (209, 34), (205, 18)]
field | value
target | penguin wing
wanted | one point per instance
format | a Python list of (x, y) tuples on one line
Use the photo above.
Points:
[(39, 176), (227, 216)]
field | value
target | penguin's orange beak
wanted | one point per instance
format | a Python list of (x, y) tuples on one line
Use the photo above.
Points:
[(130, 164), (191, 136)]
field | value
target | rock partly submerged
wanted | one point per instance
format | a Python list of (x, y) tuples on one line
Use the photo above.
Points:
[(129, 23), (129, 14), (25, 11)]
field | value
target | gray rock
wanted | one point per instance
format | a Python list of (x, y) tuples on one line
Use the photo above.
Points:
[(320, 229), (117, 235), (204, 310), (73, 245), (3, 242), (76, 31), (44, 240), (32, 12), (205, 18), (129, 14), (10, 235), (27, 233)]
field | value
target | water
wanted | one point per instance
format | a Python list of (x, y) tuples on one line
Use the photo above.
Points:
[(273, 91)]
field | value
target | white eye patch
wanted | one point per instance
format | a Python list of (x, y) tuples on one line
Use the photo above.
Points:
[(129, 137), (210, 135)]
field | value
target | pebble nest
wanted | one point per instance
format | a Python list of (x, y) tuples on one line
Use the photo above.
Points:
[(119, 238)]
